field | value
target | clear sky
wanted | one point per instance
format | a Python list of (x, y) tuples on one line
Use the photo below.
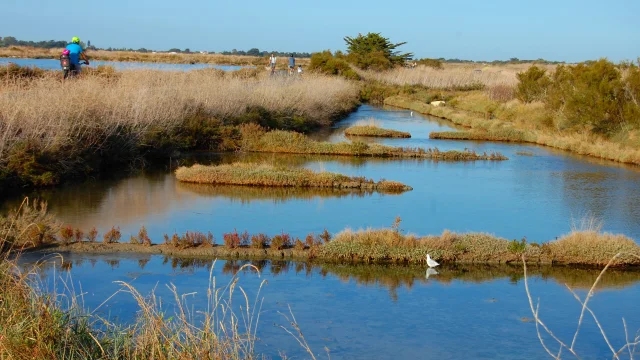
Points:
[(569, 30)]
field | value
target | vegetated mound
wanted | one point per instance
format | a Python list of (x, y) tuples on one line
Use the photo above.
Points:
[(576, 248), (269, 175), (375, 131), (258, 139), (507, 135)]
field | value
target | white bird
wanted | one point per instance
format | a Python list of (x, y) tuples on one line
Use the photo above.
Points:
[(432, 263), (430, 272), (412, 113)]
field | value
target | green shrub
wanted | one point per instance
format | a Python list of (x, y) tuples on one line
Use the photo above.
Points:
[(591, 96), (517, 247), (326, 63), (532, 85)]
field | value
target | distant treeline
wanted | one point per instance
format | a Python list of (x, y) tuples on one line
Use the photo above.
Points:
[(499, 62), (11, 41), (258, 52)]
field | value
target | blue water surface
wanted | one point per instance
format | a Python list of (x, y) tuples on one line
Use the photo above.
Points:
[(53, 64)]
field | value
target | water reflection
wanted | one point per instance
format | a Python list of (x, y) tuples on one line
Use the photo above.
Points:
[(247, 194), (52, 64), (391, 277)]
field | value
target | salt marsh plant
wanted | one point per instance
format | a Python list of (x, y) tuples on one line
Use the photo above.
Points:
[(372, 129), (269, 175), (258, 139)]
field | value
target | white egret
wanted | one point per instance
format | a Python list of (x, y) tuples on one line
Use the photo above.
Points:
[(431, 262)]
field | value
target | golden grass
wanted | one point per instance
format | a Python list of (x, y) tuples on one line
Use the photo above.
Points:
[(451, 77), (594, 248), (576, 248), (256, 139), (507, 135), (371, 129), (52, 114), (219, 59), (269, 175), (491, 120)]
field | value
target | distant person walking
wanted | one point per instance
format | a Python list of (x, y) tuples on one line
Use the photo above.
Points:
[(272, 63), (292, 64), (299, 70), (76, 53)]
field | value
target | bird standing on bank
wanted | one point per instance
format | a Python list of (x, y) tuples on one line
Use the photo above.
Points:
[(432, 263)]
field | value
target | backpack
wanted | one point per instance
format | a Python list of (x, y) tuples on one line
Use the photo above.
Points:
[(65, 62)]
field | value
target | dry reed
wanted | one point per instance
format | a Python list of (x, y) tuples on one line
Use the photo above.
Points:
[(450, 78), (53, 115)]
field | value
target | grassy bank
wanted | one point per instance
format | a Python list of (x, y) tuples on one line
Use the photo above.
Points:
[(50, 131), (506, 135), (279, 176), (149, 57), (257, 139), (514, 121), (31, 227), (371, 129), (579, 248)]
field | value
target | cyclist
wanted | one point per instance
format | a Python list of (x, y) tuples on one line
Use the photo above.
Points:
[(76, 53)]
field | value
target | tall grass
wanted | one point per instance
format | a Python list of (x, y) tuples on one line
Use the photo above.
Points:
[(48, 127), (54, 114), (449, 78), (268, 175), (40, 322)]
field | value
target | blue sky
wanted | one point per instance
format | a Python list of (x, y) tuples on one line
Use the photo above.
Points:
[(569, 30)]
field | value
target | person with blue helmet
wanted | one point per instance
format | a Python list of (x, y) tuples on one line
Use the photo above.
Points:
[(76, 53)]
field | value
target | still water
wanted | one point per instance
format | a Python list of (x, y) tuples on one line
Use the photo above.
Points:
[(374, 311), (52, 64), (382, 312), (536, 194)]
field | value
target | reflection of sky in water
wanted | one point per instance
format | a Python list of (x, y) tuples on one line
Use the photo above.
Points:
[(382, 312), (534, 196), (53, 64)]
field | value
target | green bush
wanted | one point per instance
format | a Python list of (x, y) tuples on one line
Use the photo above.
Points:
[(594, 96), (327, 63), (533, 84)]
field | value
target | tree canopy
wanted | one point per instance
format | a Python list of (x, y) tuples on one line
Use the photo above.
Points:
[(375, 51)]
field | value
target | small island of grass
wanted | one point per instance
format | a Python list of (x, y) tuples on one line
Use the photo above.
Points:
[(375, 131), (267, 175)]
